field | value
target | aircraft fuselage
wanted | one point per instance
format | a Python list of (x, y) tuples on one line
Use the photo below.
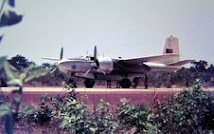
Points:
[(109, 71)]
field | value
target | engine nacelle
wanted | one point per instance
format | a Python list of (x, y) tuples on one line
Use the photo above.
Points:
[(105, 65)]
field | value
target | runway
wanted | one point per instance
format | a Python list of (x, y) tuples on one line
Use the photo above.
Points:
[(61, 89)]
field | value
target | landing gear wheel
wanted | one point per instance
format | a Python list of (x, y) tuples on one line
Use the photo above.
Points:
[(125, 83), (136, 82), (89, 83)]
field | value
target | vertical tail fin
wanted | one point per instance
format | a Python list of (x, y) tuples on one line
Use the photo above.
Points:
[(172, 47)]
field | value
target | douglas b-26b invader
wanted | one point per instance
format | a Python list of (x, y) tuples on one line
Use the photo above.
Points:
[(124, 71)]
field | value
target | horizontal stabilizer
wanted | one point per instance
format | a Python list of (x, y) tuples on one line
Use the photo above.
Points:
[(180, 63), (157, 58), (49, 58)]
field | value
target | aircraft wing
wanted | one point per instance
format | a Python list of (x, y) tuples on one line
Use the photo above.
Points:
[(49, 58), (180, 63), (148, 59)]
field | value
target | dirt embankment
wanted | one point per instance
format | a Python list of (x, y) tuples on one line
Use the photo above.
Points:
[(92, 96)]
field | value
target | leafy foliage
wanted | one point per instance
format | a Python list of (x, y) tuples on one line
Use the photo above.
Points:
[(103, 121), (43, 115), (74, 116), (16, 78), (10, 18), (190, 111), (135, 117), (71, 115), (11, 3), (5, 110)]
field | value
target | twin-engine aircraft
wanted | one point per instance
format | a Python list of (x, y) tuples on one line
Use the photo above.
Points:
[(124, 71)]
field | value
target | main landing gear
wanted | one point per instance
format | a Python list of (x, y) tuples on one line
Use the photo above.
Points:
[(136, 82), (72, 82), (89, 83), (125, 83), (108, 83)]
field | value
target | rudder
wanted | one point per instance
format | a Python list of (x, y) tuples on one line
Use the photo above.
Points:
[(172, 47)]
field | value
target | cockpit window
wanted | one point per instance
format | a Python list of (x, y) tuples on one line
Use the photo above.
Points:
[(89, 58)]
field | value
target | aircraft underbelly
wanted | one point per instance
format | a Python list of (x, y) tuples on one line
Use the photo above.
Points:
[(113, 77), (117, 77), (109, 77)]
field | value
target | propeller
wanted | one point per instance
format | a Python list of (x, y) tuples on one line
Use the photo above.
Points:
[(53, 70), (60, 58), (95, 53), (95, 64), (61, 53), (89, 70)]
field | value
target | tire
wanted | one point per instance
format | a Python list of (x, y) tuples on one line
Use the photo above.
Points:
[(89, 83), (125, 83)]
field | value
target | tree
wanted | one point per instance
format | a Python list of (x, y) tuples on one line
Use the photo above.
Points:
[(210, 69), (20, 62), (200, 66), (186, 76), (47, 66)]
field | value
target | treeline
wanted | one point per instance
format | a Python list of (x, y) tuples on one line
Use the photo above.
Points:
[(181, 78), (185, 77)]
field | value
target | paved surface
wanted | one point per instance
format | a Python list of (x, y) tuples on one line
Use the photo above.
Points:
[(60, 89)]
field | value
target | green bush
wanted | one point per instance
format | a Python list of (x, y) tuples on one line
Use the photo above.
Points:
[(190, 111), (71, 113), (42, 114), (135, 118), (103, 121)]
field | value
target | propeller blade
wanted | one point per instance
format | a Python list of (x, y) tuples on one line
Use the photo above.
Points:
[(95, 53), (61, 53), (52, 71), (89, 70)]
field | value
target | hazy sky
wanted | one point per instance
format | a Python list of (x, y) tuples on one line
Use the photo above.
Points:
[(127, 28)]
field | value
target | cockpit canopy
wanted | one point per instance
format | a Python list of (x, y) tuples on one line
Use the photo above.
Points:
[(88, 57)]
